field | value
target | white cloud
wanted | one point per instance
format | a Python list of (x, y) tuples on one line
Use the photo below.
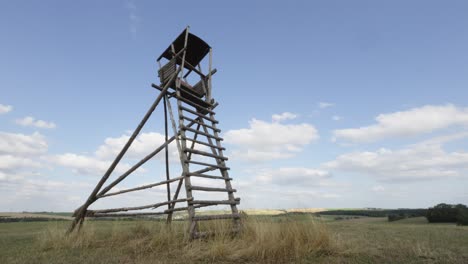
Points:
[(98, 163), (297, 176), (267, 141), (31, 121), (87, 165), (143, 145), (10, 163), (424, 161), (23, 145), (282, 117), (19, 156), (323, 105), (406, 123), (336, 118), (5, 108)]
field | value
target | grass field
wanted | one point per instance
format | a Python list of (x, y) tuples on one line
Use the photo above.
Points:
[(291, 239)]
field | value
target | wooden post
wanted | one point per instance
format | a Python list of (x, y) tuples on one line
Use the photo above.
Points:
[(169, 219)]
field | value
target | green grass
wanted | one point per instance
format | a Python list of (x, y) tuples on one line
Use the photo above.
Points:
[(279, 239)]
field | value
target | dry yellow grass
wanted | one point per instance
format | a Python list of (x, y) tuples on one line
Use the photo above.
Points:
[(264, 241)]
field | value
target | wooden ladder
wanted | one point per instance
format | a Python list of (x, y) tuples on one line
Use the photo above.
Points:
[(201, 113)]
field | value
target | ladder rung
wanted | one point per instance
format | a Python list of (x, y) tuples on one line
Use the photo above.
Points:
[(199, 115), (201, 133), (203, 143), (216, 217), (211, 189), (207, 164), (200, 123), (201, 175), (213, 202), (207, 154), (199, 107)]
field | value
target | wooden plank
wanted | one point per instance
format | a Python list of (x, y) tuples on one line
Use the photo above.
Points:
[(203, 143), (201, 133), (207, 154), (207, 164), (192, 102), (215, 202), (203, 124), (199, 114), (200, 175), (211, 189)]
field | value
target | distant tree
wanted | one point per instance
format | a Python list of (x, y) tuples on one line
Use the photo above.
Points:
[(444, 213), (396, 217), (462, 217)]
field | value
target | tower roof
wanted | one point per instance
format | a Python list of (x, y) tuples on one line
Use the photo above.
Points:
[(196, 48)]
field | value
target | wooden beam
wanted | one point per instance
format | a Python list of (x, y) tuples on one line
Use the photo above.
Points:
[(143, 187)]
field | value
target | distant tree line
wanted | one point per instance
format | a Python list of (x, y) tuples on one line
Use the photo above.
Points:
[(379, 212), (448, 213)]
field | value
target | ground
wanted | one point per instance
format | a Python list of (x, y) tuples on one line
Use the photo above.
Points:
[(361, 240)]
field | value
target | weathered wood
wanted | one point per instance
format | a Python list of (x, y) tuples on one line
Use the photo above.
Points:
[(199, 114), (143, 187), (201, 133), (216, 217), (203, 153), (160, 89), (201, 175), (200, 108), (225, 174), (207, 164), (104, 215), (189, 157), (214, 202), (212, 189), (166, 158), (198, 122), (203, 143), (124, 209)]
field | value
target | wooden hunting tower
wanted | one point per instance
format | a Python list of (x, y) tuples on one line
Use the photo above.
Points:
[(197, 138)]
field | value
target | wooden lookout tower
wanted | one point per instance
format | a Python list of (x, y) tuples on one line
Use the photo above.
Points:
[(195, 129)]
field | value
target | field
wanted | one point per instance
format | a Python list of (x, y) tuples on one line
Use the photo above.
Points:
[(294, 238)]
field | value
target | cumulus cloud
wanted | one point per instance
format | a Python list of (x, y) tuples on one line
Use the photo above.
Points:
[(424, 161), (31, 121), (323, 105), (143, 145), (19, 155), (298, 176), (282, 117), (99, 162), (22, 145), (5, 108), (267, 141), (86, 165), (406, 123)]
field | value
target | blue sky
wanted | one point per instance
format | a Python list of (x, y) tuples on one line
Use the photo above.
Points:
[(369, 97)]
